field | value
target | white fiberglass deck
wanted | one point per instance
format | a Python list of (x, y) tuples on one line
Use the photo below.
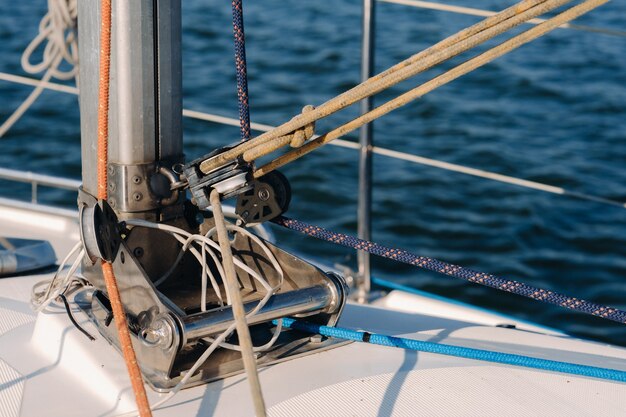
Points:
[(48, 368)]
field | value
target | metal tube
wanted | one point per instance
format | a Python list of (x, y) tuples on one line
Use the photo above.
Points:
[(133, 140), (315, 299), (364, 211), (39, 179), (146, 83)]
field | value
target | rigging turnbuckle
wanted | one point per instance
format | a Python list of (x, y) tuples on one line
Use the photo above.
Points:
[(258, 199)]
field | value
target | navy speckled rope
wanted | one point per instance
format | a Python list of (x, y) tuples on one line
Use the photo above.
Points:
[(445, 268), (242, 71)]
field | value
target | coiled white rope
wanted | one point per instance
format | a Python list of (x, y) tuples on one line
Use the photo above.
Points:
[(58, 29)]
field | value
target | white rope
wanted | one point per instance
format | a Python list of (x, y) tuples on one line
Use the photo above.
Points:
[(208, 245), (58, 29), (470, 11), (40, 300)]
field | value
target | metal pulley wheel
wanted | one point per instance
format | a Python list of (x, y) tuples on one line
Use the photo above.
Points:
[(269, 197)]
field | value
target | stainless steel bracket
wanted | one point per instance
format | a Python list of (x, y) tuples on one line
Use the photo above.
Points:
[(141, 187), (168, 330)]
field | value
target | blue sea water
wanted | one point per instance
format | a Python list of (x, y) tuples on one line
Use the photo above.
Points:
[(553, 111)]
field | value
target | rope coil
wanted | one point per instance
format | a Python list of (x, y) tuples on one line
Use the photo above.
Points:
[(58, 29)]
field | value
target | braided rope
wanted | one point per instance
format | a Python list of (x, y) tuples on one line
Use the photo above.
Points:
[(419, 91), (242, 71), (459, 351), (119, 315), (456, 271), (449, 47)]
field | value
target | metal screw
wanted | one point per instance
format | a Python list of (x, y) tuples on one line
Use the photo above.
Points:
[(138, 252), (137, 196), (111, 202), (112, 186), (111, 170), (137, 179), (264, 194)]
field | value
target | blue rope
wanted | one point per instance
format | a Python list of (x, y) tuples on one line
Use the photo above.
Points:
[(467, 274), (457, 351), (242, 71)]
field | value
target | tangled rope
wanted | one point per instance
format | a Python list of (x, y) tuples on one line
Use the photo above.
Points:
[(58, 29), (199, 246)]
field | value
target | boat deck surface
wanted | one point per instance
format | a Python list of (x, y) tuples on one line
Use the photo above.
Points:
[(47, 367)]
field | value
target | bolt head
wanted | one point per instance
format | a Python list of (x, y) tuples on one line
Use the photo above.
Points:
[(264, 194)]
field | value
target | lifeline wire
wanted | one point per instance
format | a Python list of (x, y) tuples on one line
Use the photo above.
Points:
[(417, 159), (456, 271), (459, 351)]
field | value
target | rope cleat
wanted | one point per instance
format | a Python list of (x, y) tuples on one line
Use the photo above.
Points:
[(230, 179), (258, 199)]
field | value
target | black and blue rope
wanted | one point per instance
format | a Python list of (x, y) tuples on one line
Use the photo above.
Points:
[(445, 268), (242, 71)]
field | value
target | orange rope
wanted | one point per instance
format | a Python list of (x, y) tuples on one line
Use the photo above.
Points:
[(107, 269)]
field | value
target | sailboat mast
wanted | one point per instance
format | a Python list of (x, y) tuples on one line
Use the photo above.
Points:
[(146, 96), (145, 118)]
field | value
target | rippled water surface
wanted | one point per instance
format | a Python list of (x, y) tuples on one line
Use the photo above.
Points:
[(553, 111)]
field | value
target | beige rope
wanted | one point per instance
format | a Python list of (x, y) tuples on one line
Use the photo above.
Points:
[(295, 139), (446, 49), (436, 82), (303, 134), (243, 332)]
